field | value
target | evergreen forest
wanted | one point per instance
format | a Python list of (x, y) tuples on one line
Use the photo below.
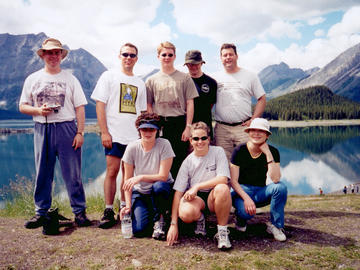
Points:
[(313, 103)]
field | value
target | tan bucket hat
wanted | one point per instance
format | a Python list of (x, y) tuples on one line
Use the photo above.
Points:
[(52, 44)]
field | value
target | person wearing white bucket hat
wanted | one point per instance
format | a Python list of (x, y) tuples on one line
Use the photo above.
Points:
[(55, 98), (251, 164)]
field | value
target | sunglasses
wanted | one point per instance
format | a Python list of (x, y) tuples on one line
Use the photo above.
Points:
[(52, 52), (169, 55), (203, 138), (132, 55)]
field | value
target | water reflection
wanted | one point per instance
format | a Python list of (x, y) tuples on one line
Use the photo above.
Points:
[(314, 157)]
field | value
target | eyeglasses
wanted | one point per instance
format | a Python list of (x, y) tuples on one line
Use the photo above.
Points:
[(52, 52), (169, 55), (132, 55), (203, 138)]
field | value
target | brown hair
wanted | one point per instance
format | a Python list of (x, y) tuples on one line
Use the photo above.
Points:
[(129, 45), (200, 125), (228, 46), (167, 45), (146, 116)]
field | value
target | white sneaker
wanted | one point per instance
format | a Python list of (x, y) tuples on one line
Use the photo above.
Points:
[(158, 232), (276, 232), (222, 237), (200, 226)]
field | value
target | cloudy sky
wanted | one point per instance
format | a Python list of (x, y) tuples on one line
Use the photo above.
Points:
[(302, 34)]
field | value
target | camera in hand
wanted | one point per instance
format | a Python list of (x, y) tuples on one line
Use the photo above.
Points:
[(54, 107)]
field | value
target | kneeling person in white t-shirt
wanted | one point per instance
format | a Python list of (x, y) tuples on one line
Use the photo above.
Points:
[(202, 182)]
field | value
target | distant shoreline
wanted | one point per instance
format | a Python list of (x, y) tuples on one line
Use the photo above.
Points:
[(310, 123), (94, 128)]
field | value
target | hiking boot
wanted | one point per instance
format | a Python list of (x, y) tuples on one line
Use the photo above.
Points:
[(240, 225), (35, 222), (81, 219), (276, 232), (200, 226), (222, 237), (108, 220), (158, 232)]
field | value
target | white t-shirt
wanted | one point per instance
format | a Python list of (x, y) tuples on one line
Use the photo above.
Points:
[(196, 169), (125, 98), (233, 103), (148, 162), (54, 89)]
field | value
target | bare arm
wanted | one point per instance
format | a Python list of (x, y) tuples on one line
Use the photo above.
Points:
[(258, 111), (273, 168), (162, 175), (80, 120), (209, 184), (173, 232), (128, 174), (189, 118), (106, 138), (33, 111), (149, 108)]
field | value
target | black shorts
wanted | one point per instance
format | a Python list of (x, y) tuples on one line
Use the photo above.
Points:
[(204, 196)]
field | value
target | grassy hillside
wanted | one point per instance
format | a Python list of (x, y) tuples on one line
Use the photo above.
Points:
[(317, 102)]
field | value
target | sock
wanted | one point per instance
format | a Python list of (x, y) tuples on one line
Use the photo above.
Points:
[(109, 206), (221, 227)]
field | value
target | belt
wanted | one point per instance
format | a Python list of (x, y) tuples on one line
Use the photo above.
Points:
[(232, 124), (172, 118)]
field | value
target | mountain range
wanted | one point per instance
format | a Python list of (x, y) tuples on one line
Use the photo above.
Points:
[(19, 59), (341, 76)]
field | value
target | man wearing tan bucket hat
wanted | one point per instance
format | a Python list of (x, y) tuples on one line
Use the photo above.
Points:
[(54, 97)]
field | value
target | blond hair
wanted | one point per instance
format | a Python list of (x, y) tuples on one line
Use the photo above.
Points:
[(166, 45)]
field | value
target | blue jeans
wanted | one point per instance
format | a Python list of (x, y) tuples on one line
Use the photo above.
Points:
[(51, 141), (276, 192), (147, 208)]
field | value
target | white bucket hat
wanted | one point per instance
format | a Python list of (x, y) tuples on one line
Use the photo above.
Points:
[(52, 44), (259, 123)]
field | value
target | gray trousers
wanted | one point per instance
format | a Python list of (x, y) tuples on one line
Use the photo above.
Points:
[(51, 141)]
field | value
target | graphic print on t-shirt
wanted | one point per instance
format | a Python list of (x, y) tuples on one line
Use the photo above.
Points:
[(128, 95), (52, 93)]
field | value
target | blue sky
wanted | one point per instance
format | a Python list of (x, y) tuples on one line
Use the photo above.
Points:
[(303, 34)]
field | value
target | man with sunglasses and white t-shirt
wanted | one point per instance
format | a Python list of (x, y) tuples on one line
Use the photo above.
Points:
[(170, 94), (120, 98)]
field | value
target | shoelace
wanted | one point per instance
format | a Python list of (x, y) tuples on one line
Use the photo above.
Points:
[(221, 235)]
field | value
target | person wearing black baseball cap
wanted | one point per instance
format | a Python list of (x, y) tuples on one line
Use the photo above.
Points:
[(206, 87)]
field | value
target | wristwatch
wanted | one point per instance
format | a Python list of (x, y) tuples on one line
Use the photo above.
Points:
[(81, 133)]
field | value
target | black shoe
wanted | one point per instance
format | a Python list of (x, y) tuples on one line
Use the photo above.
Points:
[(51, 225), (81, 220), (108, 220), (35, 222)]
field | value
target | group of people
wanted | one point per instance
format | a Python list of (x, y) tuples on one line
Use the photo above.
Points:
[(159, 133)]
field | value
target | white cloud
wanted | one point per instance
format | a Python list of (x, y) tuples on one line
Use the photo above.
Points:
[(319, 33), (99, 27), (281, 28), (315, 173), (350, 24), (315, 21)]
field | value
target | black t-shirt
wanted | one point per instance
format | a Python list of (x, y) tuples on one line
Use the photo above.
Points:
[(207, 88), (252, 170)]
